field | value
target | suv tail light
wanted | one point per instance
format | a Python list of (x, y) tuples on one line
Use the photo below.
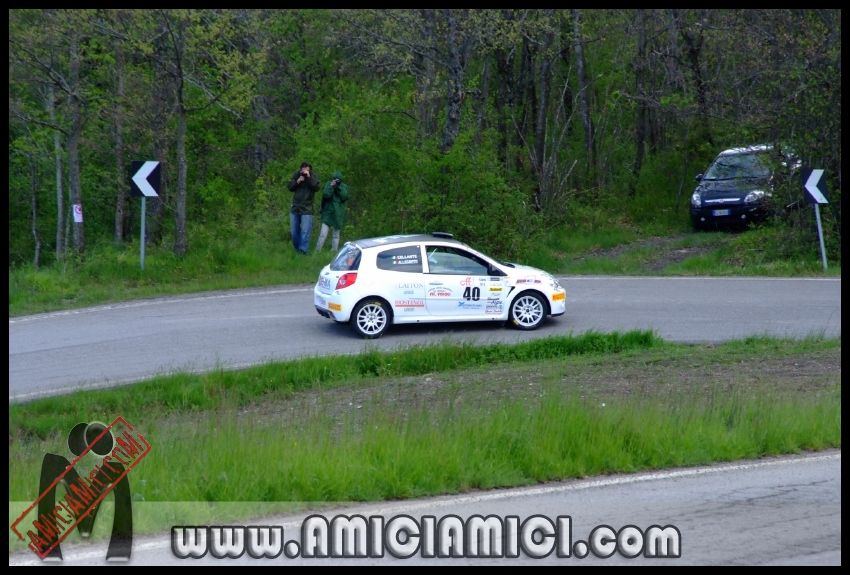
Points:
[(346, 280)]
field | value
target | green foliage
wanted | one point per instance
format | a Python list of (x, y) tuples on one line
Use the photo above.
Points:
[(367, 92)]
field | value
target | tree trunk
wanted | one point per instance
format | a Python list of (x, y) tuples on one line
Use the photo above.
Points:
[(60, 193), (458, 52), (427, 77), (640, 127), (34, 209), (182, 165), (583, 87), (540, 121), (120, 163), (693, 43), (156, 206), (482, 100), (504, 101), (74, 144), (66, 217)]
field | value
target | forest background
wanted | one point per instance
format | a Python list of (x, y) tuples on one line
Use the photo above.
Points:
[(513, 129)]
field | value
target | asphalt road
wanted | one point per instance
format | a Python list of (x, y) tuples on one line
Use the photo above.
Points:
[(108, 345), (775, 511)]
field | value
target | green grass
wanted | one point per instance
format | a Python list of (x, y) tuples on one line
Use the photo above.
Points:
[(245, 258), (437, 449), (190, 392), (113, 274), (515, 415), (762, 251), (389, 455)]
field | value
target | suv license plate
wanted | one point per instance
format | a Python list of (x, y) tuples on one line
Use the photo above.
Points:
[(719, 212)]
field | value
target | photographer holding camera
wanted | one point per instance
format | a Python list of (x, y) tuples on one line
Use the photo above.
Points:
[(304, 184), (335, 194)]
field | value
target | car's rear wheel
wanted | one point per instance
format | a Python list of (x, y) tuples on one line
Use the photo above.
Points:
[(371, 318), (527, 311)]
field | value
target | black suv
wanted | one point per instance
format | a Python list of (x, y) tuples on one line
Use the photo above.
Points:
[(736, 187)]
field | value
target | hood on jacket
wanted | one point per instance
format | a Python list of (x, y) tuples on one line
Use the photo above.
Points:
[(337, 176)]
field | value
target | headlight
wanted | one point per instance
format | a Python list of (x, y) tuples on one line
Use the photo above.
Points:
[(755, 196), (553, 282), (696, 200)]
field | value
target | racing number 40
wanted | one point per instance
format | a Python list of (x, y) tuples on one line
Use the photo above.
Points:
[(473, 294)]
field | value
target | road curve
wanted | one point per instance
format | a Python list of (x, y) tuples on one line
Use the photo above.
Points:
[(59, 352)]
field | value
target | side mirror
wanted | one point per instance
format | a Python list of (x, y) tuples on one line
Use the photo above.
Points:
[(698, 177)]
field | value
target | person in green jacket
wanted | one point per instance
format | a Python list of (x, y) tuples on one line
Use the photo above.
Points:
[(334, 196)]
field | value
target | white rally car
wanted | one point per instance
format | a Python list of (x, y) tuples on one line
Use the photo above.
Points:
[(431, 278)]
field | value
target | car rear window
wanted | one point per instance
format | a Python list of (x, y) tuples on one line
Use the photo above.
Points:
[(347, 260), (407, 259)]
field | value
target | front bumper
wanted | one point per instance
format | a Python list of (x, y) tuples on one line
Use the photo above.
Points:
[(558, 303), (727, 214)]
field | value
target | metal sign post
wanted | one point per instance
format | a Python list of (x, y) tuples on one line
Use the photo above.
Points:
[(814, 192), (144, 183), (142, 235), (820, 236)]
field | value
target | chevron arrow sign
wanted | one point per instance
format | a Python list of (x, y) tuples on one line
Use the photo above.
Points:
[(144, 179)]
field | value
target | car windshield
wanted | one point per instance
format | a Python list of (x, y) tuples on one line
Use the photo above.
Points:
[(732, 166), (347, 260)]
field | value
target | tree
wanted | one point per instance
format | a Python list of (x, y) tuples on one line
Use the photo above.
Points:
[(37, 41), (203, 54)]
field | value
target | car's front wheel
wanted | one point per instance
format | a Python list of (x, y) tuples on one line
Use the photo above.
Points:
[(527, 311), (370, 318)]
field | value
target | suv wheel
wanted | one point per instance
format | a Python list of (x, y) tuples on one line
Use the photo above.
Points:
[(370, 318)]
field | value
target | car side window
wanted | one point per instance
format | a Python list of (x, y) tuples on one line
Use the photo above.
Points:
[(407, 259), (453, 261)]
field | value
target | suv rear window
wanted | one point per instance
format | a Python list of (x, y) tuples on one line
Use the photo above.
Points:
[(407, 259), (347, 260)]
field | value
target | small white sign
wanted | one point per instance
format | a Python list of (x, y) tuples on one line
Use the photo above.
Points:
[(78, 213)]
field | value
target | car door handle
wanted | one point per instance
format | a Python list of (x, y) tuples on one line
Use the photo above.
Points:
[(435, 284)]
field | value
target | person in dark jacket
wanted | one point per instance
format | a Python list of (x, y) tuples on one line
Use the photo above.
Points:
[(334, 196), (304, 184)]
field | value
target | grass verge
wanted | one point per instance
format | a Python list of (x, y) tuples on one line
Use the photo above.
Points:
[(371, 437), (596, 244), (194, 393)]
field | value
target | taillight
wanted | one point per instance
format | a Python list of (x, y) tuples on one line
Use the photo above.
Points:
[(346, 280)]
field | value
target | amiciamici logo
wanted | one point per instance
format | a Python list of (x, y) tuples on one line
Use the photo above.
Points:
[(116, 455)]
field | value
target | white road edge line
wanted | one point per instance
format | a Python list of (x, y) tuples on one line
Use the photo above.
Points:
[(147, 302), (506, 494)]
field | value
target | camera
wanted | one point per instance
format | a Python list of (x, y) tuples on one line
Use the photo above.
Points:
[(334, 182)]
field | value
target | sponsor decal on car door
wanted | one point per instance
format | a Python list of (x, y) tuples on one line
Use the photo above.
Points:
[(496, 294), (451, 295), (454, 289)]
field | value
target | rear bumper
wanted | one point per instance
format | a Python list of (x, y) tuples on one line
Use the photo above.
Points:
[(330, 306)]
